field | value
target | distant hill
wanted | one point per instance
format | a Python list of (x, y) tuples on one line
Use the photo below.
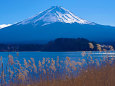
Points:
[(69, 44)]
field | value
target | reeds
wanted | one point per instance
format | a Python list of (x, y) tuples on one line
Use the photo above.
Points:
[(87, 71)]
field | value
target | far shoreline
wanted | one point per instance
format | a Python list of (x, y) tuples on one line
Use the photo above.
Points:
[(52, 51)]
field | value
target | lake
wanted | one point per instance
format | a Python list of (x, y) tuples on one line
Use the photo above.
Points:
[(76, 56), (21, 58), (62, 55)]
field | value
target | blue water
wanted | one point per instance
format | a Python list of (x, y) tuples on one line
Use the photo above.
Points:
[(38, 56), (74, 56), (62, 55)]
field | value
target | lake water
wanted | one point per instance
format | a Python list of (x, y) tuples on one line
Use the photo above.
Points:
[(38, 56), (62, 55)]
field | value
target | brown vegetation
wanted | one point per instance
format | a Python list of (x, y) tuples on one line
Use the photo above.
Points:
[(67, 72)]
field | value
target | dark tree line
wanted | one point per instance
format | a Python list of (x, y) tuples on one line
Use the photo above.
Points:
[(60, 44)]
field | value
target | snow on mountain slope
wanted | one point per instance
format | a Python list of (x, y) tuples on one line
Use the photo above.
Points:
[(54, 14), (4, 25)]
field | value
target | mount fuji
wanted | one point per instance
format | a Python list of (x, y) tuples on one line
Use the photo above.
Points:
[(55, 22), (52, 15)]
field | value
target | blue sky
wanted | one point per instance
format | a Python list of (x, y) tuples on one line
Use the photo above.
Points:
[(99, 11)]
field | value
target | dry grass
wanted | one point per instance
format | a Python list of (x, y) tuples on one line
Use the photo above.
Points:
[(50, 72), (102, 76)]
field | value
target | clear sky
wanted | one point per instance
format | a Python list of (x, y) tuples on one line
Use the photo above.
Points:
[(99, 11)]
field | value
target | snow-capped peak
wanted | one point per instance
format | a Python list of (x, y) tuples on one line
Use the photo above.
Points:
[(55, 14)]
